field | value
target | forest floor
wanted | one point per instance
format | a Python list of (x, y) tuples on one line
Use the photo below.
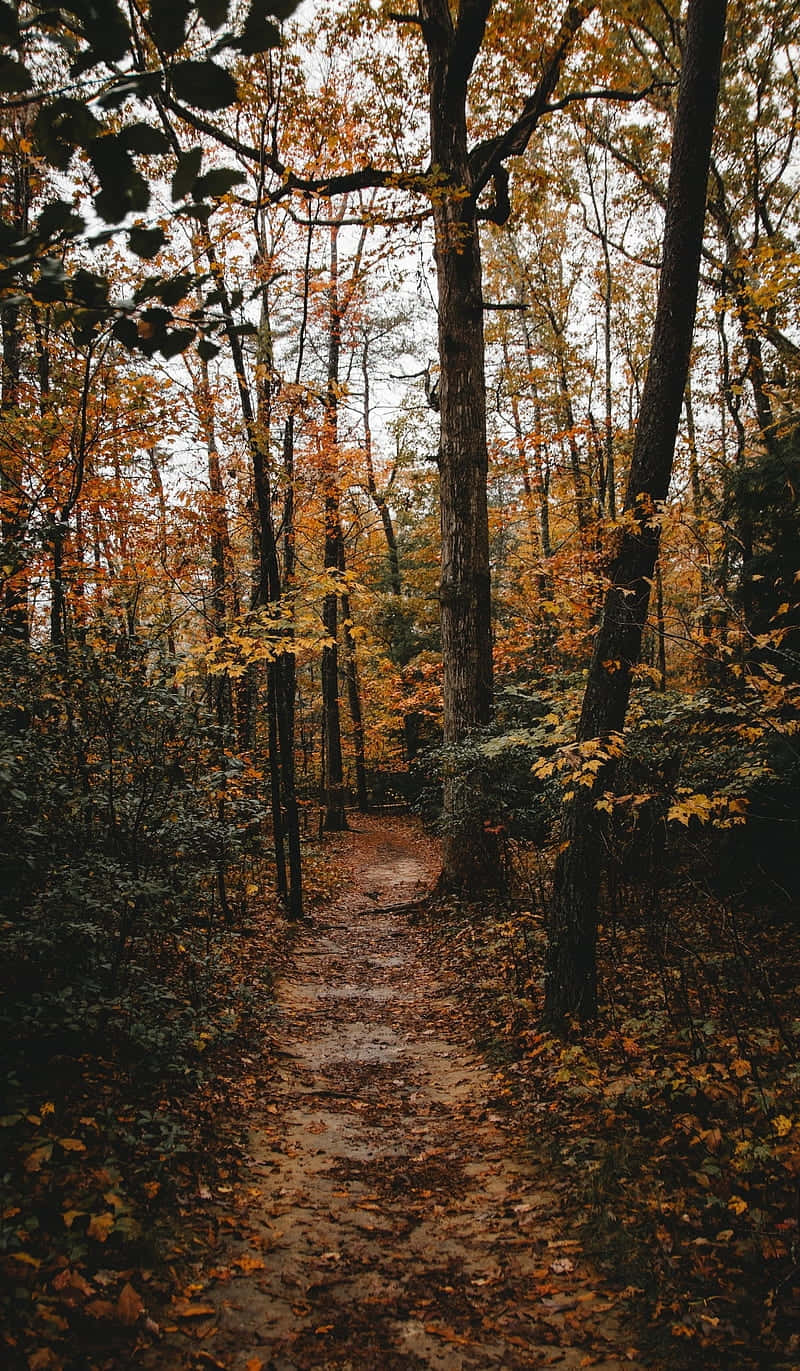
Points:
[(388, 1215)]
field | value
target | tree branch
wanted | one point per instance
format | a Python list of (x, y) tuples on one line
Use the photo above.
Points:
[(487, 156)]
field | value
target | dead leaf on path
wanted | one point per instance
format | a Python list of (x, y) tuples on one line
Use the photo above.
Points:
[(561, 1266), (448, 1335), (129, 1305), (324, 1328), (71, 1283), (319, 1127), (100, 1226), (249, 1263), (185, 1309), (254, 1364)]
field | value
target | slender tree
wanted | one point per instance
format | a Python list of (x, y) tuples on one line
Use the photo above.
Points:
[(571, 970)]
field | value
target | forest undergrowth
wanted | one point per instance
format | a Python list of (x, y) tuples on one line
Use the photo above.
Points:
[(113, 1144), (671, 1129)]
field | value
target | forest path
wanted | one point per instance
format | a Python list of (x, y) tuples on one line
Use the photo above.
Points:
[(391, 1219)]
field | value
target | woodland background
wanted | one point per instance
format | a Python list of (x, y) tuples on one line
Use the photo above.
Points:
[(220, 620)]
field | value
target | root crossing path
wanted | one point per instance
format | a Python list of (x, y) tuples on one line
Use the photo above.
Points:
[(391, 1220)]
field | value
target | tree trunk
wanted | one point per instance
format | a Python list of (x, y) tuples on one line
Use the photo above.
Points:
[(469, 852), (333, 561), (571, 974)]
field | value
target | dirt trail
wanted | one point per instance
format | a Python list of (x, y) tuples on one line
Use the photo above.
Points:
[(391, 1220)]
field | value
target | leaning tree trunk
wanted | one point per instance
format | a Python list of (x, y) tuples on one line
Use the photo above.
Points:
[(571, 969)]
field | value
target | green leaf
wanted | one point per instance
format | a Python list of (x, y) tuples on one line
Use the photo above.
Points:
[(146, 242), (178, 340), (89, 288), (61, 127), (213, 12), (259, 31), (217, 183), (127, 333), (168, 22), (14, 75), (122, 189), (59, 217), (204, 85), (186, 173), (207, 350), (144, 139), (106, 30), (175, 290)]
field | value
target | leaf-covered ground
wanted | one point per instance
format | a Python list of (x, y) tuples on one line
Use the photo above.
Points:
[(671, 1131), (385, 1163)]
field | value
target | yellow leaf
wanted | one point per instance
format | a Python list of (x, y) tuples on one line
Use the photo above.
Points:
[(737, 1204), (25, 1257), (740, 1067), (70, 1215), (100, 1226), (782, 1125), (72, 1144)]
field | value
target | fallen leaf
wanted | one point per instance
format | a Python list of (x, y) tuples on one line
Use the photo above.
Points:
[(72, 1144), (35, 1159), (448, 1335), (129, 1305), (185, 1309), (248, 1263), (44, 1359), (70, 1282), (100, 1225)]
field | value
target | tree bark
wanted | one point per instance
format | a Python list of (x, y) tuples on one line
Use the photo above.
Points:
[(571, 970), (469, 853)]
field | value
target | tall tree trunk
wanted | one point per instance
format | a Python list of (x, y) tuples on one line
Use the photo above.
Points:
[(469, 853), (333, 560), (268, 591), (571, 965), (354, 702)]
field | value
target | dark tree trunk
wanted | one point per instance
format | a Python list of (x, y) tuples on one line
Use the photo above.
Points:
[(571, 974), (12, 496), (333, 561), (469, 853)]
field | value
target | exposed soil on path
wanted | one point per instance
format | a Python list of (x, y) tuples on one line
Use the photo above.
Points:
[(391, 1218)]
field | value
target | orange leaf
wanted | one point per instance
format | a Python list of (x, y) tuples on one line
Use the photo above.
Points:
[(185, 1309), (448, 1334), (100, 1226), (248, 1263)]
